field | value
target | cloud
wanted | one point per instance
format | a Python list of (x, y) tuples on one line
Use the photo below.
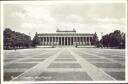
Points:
[(111, 20), (84, 17)]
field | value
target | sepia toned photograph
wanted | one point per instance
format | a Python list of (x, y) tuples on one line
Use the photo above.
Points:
[(64, 41)]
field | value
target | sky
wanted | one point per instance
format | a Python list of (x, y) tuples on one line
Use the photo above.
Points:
[(30, 18)]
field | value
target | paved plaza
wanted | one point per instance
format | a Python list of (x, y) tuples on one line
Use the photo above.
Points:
[(64, 64)]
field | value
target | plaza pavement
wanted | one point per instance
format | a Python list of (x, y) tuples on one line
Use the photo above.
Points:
[(64, 64)]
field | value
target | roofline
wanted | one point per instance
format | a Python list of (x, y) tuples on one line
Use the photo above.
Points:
[(65, 33)]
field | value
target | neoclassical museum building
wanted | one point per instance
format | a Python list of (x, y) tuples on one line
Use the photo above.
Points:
[(65, 38)]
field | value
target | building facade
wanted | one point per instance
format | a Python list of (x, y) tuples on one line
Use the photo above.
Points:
[(65, 38)]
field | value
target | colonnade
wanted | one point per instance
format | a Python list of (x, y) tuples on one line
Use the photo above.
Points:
[(65, 40)]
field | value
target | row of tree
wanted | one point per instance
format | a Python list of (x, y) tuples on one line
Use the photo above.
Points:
[(115, 39), (14, 40)]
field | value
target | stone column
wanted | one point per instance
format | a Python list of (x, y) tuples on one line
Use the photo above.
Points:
[(46, 40), (67, 40), (49, 40), (85, 40), (70, 40), (82, 40), (64, 40), (58, 40), (61, 40), (52, 40), (76, 40), (42, 40), (89, 41), (73, 40), (55, 40)]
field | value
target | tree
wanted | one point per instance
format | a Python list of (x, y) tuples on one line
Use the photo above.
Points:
[(95, 40), (105, 40), (35, 41)]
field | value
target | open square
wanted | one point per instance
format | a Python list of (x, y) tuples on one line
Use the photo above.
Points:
[(60, 64)]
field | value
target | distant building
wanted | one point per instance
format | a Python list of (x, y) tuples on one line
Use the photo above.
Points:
[(65, 38)]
